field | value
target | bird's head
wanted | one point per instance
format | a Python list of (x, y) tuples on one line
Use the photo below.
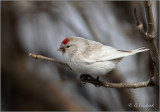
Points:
[(73, 44), (68, 45)]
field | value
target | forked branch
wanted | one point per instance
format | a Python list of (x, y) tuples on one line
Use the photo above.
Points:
[(150, 36), (150, 33)]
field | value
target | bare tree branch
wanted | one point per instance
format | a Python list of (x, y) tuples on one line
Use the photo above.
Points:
[(139, 24), (150, 33), (48, 59), (96, 82), (150, 20), (150, 36), (92, 80)]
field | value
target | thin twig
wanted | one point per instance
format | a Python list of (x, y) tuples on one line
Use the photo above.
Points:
[(48, 59), (92, 80), (140, 24), (150, 20)]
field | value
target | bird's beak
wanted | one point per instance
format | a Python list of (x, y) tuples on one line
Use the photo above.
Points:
[(60, 49)]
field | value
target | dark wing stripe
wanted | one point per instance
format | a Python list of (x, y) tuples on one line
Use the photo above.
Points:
[(124, 51)]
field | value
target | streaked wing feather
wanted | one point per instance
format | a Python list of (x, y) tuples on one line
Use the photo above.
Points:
[(106, 53)]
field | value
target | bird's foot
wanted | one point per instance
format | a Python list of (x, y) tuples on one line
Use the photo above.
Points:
[(84, 78), (87, 78)]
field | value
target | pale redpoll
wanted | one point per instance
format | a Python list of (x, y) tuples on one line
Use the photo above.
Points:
[(92, 58)]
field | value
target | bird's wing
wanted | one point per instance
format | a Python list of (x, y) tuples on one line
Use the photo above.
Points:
[(110, 53), (105, 53), (97, 52)]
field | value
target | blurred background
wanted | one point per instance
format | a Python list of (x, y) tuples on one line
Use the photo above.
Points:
[(39, 27)]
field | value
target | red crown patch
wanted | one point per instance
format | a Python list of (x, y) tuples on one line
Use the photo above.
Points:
[(65, 41)]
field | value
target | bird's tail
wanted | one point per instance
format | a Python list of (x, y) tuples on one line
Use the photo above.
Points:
[(142, 49), (123, 53)]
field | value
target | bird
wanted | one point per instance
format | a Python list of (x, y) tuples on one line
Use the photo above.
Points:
[(92, 58)]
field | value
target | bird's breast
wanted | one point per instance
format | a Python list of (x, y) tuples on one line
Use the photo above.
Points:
[(76, 62)]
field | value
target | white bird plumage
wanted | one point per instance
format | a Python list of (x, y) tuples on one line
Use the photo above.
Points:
[(92, 58)]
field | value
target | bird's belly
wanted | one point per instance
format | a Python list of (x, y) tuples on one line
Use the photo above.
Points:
[(101, 68), (94, 69)]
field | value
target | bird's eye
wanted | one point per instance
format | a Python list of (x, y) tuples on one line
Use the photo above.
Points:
[(68, 46)]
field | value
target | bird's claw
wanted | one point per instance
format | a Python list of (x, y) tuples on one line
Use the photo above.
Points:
[(90, 79), (84, 78)]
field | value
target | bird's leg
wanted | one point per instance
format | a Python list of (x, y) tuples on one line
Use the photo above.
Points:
[(84, 78), (87, 78)]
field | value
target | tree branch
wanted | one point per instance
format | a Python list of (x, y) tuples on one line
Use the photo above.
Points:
[(48, 59), (150, 36), (140, 24), (96, 82), (150, 20), (150, 33), (92, 80)]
